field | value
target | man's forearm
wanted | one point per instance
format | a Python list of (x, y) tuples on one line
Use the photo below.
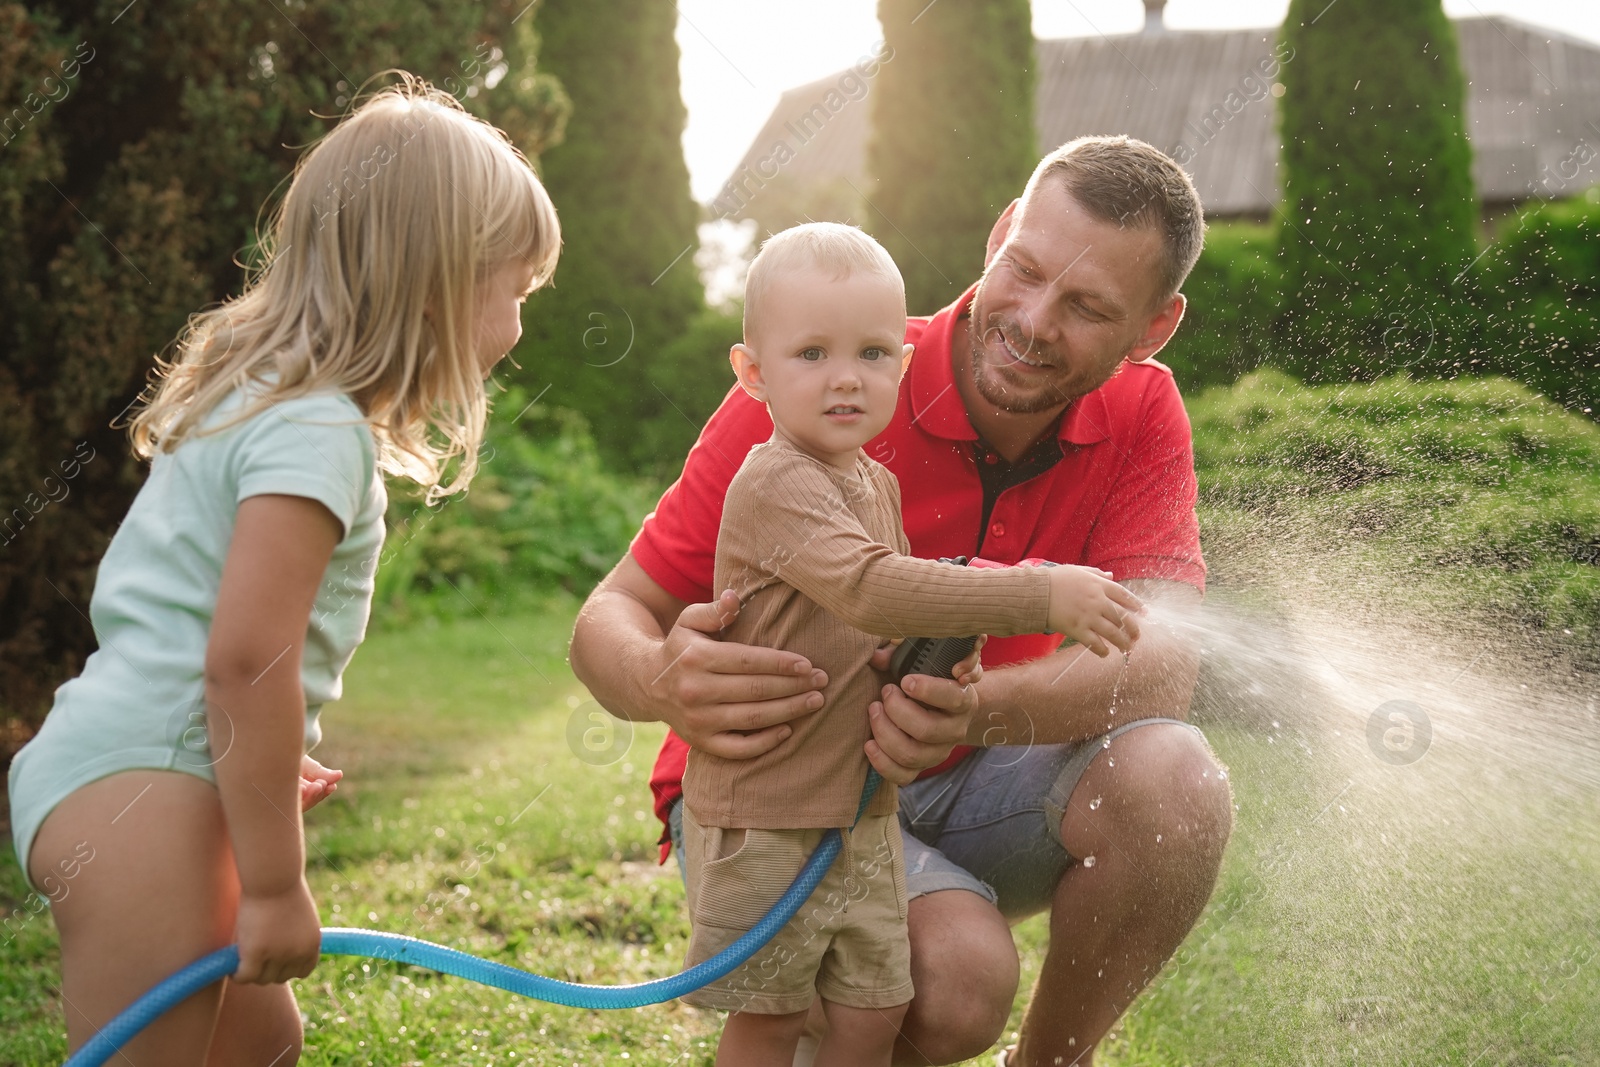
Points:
[(614, 642), (1072, 694)]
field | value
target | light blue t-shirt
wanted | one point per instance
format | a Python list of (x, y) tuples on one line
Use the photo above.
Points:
[(139, 701)]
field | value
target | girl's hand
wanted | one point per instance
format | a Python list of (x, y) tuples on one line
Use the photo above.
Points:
[(279, 935), (1090, 608), (317, 782)]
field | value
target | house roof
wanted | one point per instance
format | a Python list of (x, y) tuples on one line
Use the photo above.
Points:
[(1533, 113)]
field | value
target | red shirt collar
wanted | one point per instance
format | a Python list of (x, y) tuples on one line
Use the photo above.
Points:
[(936, 403)]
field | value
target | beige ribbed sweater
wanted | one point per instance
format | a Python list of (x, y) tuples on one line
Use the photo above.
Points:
[(818, 558)]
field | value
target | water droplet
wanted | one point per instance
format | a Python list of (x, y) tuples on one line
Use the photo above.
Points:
[(1088, 861), (1222, 775), (1158, 839), (1111, 761), (1094, 805), (1275, 724), (1106, 743)]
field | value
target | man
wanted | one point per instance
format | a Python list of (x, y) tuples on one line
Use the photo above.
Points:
[(1031, 423)]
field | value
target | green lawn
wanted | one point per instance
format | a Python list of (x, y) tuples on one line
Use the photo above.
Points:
[(1441, 912)]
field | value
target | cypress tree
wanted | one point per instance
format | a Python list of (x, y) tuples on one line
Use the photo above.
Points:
[(952, 139), (626, 285), (138, 144), (1379, 213)]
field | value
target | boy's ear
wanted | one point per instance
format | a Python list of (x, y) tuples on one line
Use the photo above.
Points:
[(905, 358), (748, 372)]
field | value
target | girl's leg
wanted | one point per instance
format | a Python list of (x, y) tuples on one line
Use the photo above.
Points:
[(760, 1040), (259, 1026), (153, 888), (859, 1037)]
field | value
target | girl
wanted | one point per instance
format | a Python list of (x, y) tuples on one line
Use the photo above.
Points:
[(159, 805)]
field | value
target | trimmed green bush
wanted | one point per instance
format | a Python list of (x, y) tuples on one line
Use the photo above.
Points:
[(626, 284), (1379, 210), (1541, 301), (953, 139), (1478, 486), (1232, 295), (692, 375)]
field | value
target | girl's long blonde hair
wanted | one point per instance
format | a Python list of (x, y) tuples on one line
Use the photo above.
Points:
[(371, 271)]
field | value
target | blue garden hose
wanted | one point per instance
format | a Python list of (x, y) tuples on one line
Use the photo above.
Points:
[(342, 941)]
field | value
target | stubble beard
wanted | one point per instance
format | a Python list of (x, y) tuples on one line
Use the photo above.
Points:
[(1051, 395)]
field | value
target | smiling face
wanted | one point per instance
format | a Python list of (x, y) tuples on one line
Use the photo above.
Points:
[(498, 318), (1065, 299), (825, 357)]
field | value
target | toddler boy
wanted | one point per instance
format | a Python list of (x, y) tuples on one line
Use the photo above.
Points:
[(812, 543)]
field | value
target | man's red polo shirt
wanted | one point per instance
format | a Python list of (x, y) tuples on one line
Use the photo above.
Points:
[(1122, 497)]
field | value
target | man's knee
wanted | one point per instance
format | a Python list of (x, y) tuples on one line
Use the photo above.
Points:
[(1162, 779), (965, 969)]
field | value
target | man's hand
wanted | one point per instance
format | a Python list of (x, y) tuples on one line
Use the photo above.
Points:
[(733, 701), (317, 782), (911, 735)]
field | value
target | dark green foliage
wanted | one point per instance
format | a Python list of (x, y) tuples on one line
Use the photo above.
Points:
[(1533, 300), (1379, 210), (542, 514), (952, 137), (1232, 295), (693, 376), (129, 184), (1540, 290), (626, 284), (1480, 486)]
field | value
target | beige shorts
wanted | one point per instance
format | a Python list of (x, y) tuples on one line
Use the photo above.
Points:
[(849, 941)]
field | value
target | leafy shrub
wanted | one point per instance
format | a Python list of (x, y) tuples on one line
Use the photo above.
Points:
[(1233, 294), (691, 376), (542, 513), (1480, 482), (1541, 298)]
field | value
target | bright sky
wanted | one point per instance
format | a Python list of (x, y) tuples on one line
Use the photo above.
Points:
[(739, 55)]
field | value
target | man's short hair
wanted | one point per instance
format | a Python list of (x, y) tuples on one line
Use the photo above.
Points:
[(831, 247), (1132, 184)]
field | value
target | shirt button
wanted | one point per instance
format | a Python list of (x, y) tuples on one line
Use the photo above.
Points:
[(998, 529)]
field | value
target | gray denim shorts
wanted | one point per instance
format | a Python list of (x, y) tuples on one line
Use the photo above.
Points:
[(991, 824)]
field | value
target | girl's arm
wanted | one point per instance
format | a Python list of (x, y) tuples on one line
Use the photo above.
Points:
[(255, 710)]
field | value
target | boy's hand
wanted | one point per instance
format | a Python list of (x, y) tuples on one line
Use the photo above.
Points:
[(317, 782), (279, 935), (1090, 608)]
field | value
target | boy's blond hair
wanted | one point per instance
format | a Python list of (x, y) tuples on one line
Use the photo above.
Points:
[(831, 247), (371, 270)]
